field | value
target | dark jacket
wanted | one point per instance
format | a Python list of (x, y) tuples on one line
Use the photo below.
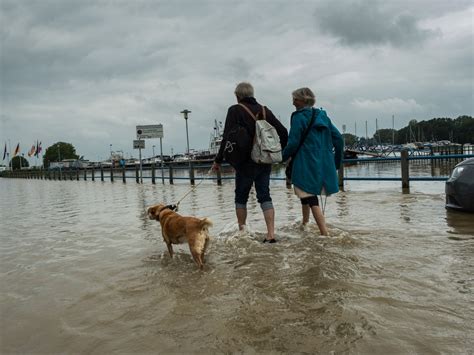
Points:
[(237, 115)]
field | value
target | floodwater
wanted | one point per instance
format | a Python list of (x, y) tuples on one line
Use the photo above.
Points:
[(84, 271)]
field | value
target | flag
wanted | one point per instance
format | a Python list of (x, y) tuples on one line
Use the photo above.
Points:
[(38, 149), (17, 150), (32, 151), (5, 152)]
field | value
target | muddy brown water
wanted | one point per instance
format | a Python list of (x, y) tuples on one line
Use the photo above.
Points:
[(84, 271)]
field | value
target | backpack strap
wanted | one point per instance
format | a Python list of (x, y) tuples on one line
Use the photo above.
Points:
[(251, 113), (305, 133)]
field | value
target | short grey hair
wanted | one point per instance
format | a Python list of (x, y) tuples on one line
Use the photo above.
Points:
[(243, 90), (305, 95)]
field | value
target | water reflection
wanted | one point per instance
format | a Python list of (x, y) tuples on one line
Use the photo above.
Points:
[(461, 223)]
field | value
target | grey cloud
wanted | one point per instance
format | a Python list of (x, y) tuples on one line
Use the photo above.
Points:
[(57, 42), (88, 71), (240, 68), (362, 23)]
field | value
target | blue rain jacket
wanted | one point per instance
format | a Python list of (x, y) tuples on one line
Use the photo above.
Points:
[(315, 164)]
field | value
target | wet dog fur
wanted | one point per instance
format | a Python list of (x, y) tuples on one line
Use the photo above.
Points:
[(177, 229)]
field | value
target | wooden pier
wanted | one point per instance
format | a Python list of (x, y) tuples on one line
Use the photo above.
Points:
[(441, 158)]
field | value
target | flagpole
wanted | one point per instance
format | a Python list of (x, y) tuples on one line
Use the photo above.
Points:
[(37, 153), (9, 154), (5, 151), (40, 150)]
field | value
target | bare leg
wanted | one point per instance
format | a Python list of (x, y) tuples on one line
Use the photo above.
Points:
[(241, 217), (320, 220), (305, 210), (270, 222)]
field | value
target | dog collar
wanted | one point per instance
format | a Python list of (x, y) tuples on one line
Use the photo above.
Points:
[(171, 207)]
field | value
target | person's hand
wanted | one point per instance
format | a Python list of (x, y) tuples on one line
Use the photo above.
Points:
[(216, 166)]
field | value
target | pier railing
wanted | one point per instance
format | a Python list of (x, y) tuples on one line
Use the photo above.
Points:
[(109, 173), (404, 159), (169, 173)]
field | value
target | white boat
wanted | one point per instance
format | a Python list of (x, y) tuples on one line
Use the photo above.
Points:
[(215, 141), (216, 138), (180, 158)]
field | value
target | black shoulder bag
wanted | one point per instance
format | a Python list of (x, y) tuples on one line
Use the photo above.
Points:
[(289, 166), (238, 144)]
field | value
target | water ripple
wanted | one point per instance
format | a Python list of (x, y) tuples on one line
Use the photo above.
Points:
[(84, 270)]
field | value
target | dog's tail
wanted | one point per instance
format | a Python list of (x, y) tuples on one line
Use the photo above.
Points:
[(205, 223)]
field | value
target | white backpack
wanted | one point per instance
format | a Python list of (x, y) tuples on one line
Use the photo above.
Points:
[(266, 147)]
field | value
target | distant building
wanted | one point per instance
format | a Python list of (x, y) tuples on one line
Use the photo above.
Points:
[(69, 164)]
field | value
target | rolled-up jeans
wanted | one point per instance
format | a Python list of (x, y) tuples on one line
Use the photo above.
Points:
[(246, 177)]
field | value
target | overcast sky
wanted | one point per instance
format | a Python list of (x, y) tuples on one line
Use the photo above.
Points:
[(87, 72)]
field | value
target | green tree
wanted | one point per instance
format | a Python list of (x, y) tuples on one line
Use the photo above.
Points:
[(19, 162), (385, 135), (459, 130), (59, 151), (349, 139), (464, 129)]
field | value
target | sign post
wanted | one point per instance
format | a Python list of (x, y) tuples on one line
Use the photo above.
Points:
[(150, 131), (139, 144)]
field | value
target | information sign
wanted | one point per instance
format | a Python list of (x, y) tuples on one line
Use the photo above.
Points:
[(138, 144), (150, 131)]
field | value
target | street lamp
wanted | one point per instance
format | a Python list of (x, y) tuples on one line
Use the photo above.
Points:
[(110, 152), (153, 146), (185, 113)]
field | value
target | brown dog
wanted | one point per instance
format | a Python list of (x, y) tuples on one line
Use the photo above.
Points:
[(177, 229)]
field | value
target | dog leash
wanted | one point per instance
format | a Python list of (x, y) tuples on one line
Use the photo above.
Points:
[(175, 206)]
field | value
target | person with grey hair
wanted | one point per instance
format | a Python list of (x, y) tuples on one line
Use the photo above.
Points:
[(315, 147), (305, 95), (247, 172)]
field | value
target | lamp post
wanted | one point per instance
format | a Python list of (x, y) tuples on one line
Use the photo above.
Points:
[(185, 113), (153, 146), (110, 152)]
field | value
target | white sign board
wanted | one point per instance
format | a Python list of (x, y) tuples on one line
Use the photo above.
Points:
[(150, 131), (139, 144)]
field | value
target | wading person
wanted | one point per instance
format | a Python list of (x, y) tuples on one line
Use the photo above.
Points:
[(236, 146), (315, 147)]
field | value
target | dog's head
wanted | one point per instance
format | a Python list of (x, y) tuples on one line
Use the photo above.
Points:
[(155, 210)]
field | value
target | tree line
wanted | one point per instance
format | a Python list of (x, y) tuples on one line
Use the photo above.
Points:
[(458, 130)]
